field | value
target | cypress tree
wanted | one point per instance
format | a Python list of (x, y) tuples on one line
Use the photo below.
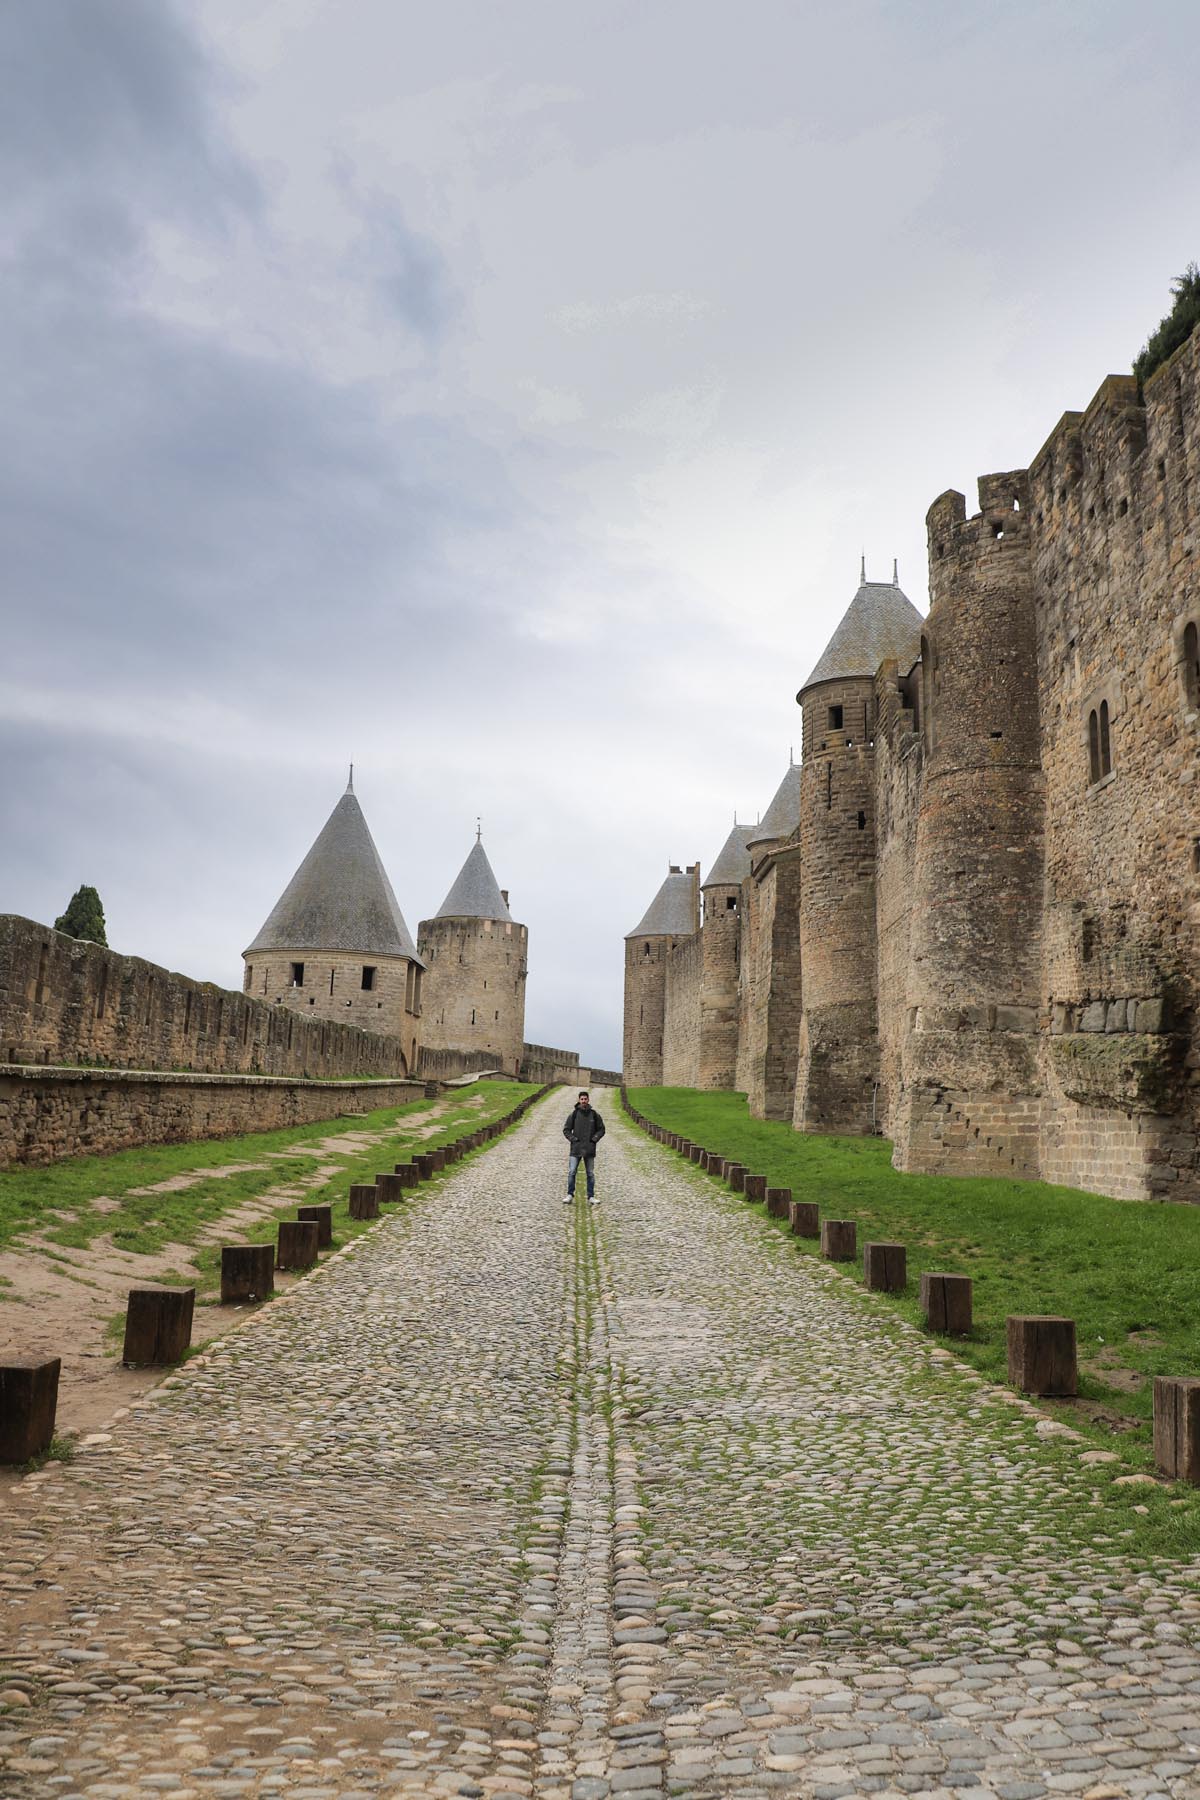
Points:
[(84, 917)]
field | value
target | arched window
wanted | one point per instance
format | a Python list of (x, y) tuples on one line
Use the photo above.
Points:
[(1093, 746), (1099, 744), (1105, 741), (1191, 666)]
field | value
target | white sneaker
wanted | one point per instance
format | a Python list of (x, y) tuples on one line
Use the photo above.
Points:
[(567, 1199), (595, 1200)]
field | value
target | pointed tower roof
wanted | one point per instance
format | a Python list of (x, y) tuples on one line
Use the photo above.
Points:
[(733, 863), (340, 897), (476, 892), (783, 815), (672, 912), (880, 622)]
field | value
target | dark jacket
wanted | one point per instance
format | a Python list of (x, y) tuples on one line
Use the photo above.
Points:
[(584, 1131)]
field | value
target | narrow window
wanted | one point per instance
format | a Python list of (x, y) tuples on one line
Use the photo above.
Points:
[(1093, 746), (497, 1016), (472, 1015), (828, 786), (368, 979), (731, 903), (249, 976), (40, 991), (835, 718), (332, 973), (1105, 743), (646, 950), (1191, 665), (297, 974), (862, 821), (187, 1014)]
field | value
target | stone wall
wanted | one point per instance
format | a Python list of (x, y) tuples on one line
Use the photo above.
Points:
[(776, 992), (681, 1014), (645, 1006), (899, 772), (543, 1064), (63, 1001), (720, 950), (46, 1114), (448, 1065), (474, 987), (381, 995)]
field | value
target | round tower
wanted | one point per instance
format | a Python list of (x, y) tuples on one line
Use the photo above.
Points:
[(720, 941), (838, 1056), (671, 915), (770, 975), (335, 945), (476, 962), (971, 1085)]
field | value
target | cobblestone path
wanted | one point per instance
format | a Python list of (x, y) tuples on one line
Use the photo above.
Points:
[(512, 1499)]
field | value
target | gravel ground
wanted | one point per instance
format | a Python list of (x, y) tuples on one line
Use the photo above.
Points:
[(512, 1498)]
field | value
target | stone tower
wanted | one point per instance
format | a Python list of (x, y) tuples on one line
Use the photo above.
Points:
[(770, 972), (672, 915), (476, 962), (720, 939), (335, 945), (970, 1053), (838, 1061)]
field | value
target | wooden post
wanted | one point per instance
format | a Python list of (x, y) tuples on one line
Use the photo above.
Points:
[(158, 1325), (946, 1303), (438, 1159), (390, 1189), (322, 1218), (1177, 1427), (247, 1272), (839, 1240), (736, 1177), (364, 1200), (1041, 1353), (756, 1187), (424, 1162), (695, 1153), (885, 1267), (805, 1218), (28, 1403), (778, 1202), (297, 1244), (408, 1174)]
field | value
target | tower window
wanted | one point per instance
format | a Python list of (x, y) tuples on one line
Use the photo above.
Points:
[(332, 973), (828, 786), (297, 974), (1099, 743), (368, 979), (862, 821), (249, 976), (731, 903), (1191, 666), (836, 714)]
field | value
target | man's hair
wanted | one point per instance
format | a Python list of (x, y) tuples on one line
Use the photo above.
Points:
[(583, 1094)]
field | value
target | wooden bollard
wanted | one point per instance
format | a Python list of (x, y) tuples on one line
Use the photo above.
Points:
[(684, 1146), (1041, 1353), (714, 1163), (407, 1172), (322, 1218), (158, 1325), (28, 1403), (885, 1267), (756, 1187), (735, 1175), (247, 1272), (946, 1302), (390, 1189), (424, 1164), (297, 1244), (438, 1159), (805, 1218), (1177, 1427), (839, 1240), (778, 1202), (364, 1200), (695, 1153)]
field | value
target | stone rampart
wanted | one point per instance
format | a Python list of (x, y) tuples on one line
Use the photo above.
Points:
[(49, 1113), (67, 1002), (543, 1064), (681, 1014)]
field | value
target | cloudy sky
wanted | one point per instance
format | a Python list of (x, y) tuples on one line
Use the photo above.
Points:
[(501, 396)]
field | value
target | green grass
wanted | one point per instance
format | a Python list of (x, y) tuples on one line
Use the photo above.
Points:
[(58, 1201), (1128, 1273)]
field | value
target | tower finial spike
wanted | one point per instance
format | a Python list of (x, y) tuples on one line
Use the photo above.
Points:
[(478, 829), (791, 756), (895, 571), (350, 783), (862, 572)]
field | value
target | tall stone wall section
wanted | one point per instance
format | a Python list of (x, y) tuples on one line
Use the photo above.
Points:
[(838, 1058), (681, 1014), (46, 1114), (776, 990), (64, 1001), (543, 1064), (645, 1010), (474, 987), (899, 779)]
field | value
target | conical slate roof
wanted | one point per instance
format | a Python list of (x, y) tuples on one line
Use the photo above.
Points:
[(879, 622), (340, 897), (672, 912), (476, 893), (733, 864), (783, 815)]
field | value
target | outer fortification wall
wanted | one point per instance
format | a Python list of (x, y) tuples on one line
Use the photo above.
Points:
[(63, 1001)]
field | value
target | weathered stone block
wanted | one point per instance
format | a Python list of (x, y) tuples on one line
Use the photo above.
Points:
[(1094, 1016), (1177, 1427), (839, 1240), (247, 1272), (322, 1218), (1150, 1016), (1041, 1354), (28, 1403), (885, 1267), (297, 1244), (946, 1302), (158, 1325)]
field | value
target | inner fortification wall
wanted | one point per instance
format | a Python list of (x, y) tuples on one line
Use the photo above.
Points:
[(63, 1001)]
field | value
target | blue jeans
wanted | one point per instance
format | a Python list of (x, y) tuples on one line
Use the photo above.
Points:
[(589, 1165)]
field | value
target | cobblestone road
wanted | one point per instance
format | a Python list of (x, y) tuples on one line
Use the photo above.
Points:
[(511, 1499)]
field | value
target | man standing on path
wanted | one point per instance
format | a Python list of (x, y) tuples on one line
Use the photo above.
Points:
[(583, 1130)]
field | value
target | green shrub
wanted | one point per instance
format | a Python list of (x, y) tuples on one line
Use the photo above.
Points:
[(84, 917), (1176, 328)]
